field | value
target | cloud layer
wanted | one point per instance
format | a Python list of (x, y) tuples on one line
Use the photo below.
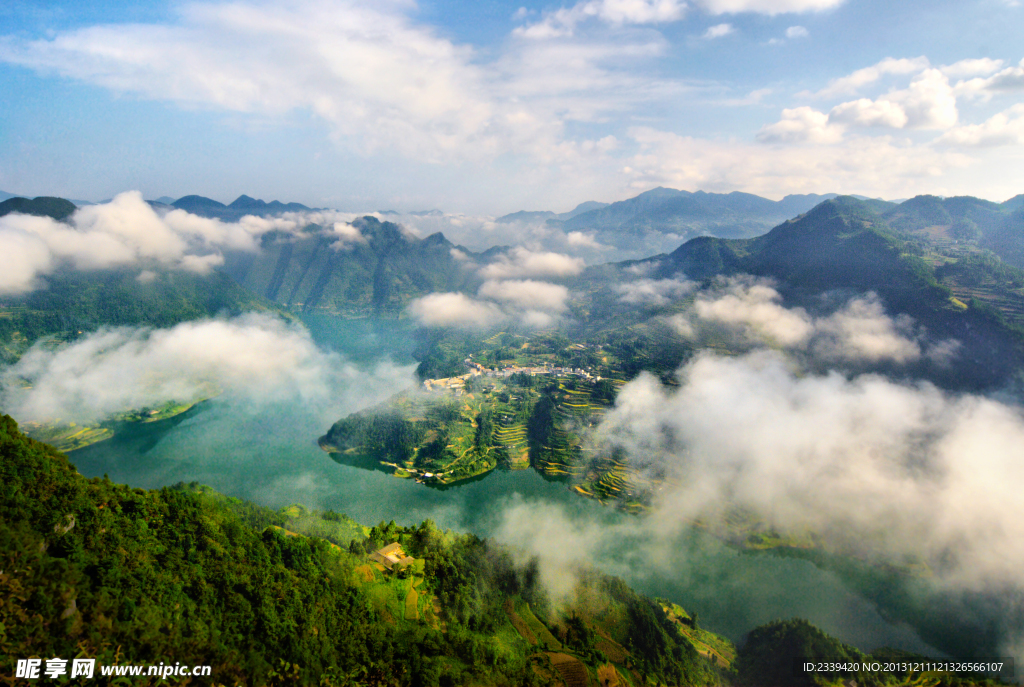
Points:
[(870, 464), (254, 358), (749, 312), (127, 231)]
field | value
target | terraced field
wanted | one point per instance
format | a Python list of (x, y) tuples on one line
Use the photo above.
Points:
[(571, 670)]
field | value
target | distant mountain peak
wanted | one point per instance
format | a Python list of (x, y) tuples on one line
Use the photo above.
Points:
[(198, 203), (243, 202)]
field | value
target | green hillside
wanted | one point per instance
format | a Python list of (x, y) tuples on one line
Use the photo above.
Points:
[(93, 569), (133, 576), (378, 274), (956, 290), (77, 302), (43, 206)]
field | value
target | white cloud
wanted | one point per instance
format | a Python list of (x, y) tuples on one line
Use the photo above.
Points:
[(256, 358), (719, 30), (577, 239), (522, 262), (877, 166), (455, 310), (366, 69), (756, 308), (929, 101), (24, 257), (347, 235), (971, 67), (753, 315), (769, 7), (654, 291), (800, 125), (1009, 79), (863, 331), (125, 231), (797, 32), (563, 22), (869, 75), (884, 467), (867, 112), (527, 294), (1004, 128)]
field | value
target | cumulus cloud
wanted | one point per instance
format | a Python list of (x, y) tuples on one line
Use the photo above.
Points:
[(455, 310), (125, 231), (929, 102), (963, 69), (904, 468), (797, 32), (524, 302), (522, 262), (256, 358), (1004, 128), (867, 112), (800, 125), (852, 83), (719, 30), (527, 293), (750, 312), (654, 291), (863, 331)]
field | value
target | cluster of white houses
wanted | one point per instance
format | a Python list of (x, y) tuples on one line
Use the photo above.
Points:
[(458, 384)]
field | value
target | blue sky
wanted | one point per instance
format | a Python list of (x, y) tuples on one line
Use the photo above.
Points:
[(491, 107)]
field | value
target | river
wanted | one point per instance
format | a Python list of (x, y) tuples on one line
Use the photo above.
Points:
[(268, 454)]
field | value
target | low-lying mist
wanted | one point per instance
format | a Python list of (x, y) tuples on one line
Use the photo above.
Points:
[(252, 359)]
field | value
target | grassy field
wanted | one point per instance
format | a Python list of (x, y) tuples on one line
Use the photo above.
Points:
[(412, 600)]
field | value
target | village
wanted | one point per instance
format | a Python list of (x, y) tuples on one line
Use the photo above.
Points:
[(458, 384)]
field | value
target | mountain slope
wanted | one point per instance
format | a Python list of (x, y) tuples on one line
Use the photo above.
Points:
[(43, 206), (80, 301), (377, 272), (659, 219), (241, 206), (845, 245), (121, 575)]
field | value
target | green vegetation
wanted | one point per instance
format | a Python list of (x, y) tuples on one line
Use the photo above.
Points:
[(70, 436), (771, 651), (43, 206), (78, 302), (101, 570), (378, 275)]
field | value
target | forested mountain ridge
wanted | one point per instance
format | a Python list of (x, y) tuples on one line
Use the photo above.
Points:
[(378, 270), (130, 576), (76, 302), (845, 245), (238, 208), (44, 206)]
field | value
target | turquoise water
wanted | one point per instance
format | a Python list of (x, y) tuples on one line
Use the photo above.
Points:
[(269, 455)]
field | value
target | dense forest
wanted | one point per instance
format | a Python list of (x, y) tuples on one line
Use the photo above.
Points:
[(127, 576)]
